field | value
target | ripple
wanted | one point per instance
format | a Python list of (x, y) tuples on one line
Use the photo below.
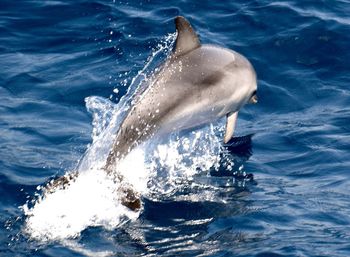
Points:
[(56, 54)]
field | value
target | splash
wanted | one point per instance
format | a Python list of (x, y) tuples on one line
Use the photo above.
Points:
[(92, 199), (175, 163), (156, 169)]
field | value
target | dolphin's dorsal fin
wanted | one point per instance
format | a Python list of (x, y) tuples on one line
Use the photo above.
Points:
[(187, 39)]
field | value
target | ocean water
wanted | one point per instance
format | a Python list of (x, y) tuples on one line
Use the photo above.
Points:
[(68, 70)]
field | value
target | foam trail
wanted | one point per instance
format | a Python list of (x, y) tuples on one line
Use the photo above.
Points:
[(91, 200)]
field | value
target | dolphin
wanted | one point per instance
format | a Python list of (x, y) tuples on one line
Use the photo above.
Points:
[(197, 84)]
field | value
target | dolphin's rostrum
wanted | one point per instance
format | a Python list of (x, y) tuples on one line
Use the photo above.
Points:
[(197, 84)]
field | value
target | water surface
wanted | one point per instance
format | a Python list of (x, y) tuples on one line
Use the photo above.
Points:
[(60, 65)]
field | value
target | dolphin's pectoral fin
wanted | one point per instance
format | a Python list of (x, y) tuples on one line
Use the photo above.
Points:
[(129, 197), (231, 119), (187, 39), (131, 200)]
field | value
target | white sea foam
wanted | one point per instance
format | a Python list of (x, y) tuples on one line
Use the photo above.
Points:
[(91, 200)]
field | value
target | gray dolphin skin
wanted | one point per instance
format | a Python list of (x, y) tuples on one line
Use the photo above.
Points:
[(196, 85)]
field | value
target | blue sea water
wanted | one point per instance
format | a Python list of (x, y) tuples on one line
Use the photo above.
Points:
[(60, 59)]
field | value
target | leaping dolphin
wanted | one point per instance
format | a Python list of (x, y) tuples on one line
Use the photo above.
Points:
[(197, 84)]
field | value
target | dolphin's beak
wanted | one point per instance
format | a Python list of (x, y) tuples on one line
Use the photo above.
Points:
[(253, 99)]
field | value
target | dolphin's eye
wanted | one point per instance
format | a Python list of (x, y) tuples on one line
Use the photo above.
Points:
[(254, 93), (253, 99)]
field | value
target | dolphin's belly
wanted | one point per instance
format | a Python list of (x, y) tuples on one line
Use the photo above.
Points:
[(190, 115), (161, 115)]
